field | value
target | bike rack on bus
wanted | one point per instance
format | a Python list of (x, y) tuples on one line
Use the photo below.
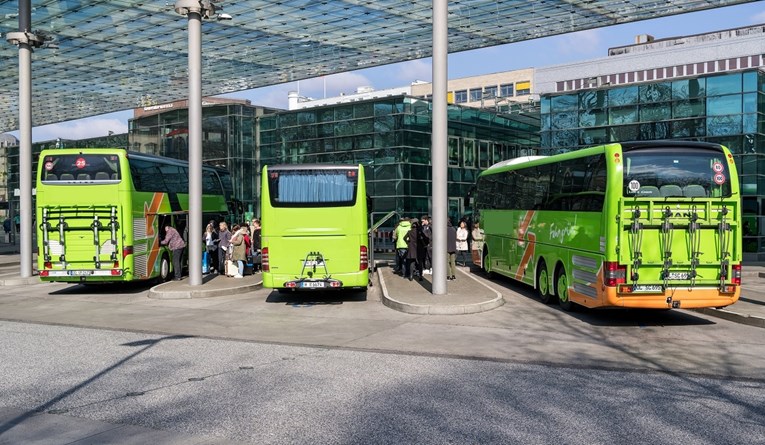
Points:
[(63, 226), (314, 259), (724, 230)]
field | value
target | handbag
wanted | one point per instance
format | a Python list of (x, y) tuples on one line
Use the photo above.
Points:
[(231, 268)]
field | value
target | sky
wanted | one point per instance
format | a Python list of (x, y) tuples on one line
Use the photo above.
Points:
[(536, 53)]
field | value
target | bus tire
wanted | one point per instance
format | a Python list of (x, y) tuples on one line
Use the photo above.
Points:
[(543, 283), (561, 289), (164, 268)]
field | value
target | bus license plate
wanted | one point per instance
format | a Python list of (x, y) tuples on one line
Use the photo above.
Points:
[(78, 273), (651, 288), (312, 284), (678, 276)]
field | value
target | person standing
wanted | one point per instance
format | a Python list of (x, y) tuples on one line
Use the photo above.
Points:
[(239, 248), (175, 243), (401, 245), (451, 250), (255, 228), (425, 246), (462, 242), (211, 246), (224, 241), (477, 246), (412, 238)]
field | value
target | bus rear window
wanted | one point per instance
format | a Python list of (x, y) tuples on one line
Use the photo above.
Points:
[(312, 188), (676, 172), (74, 168)]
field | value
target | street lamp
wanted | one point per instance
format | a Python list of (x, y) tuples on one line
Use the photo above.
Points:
[(195, 10)]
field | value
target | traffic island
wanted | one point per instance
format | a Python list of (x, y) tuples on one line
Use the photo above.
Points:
[(212, 286)]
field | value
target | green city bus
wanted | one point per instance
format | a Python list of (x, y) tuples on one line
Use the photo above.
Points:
[(639, 225), (314, 227), (101, 212)]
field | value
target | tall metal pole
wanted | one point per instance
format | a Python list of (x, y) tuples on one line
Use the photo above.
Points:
[(439, 141), (25, 139), (195, 148)]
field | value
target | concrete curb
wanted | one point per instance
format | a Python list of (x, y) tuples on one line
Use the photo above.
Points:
[(21, 281), (194, 291), (749, 320), (430, 309)]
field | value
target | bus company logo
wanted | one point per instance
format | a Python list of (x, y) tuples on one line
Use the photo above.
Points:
[(561, 233)]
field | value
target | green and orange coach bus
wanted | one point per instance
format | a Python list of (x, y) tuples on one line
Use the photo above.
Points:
[(100, 212), (638, 225)]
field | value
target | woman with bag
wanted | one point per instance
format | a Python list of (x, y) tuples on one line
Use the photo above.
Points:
[(211, 248), (239, 249)]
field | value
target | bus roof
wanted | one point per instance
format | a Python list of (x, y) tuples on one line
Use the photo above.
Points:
[(129, 154), (518, 160), (312, 166), (512, 164)]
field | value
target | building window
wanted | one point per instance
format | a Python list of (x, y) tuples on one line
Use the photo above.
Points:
[(506, 90), (475, 94), (490, 92), (460, 96), (523, 88)]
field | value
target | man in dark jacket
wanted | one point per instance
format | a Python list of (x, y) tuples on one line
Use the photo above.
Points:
[(412, 241), (451, 250), (424, 245)]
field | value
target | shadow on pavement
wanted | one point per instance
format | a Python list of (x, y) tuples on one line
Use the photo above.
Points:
[(314, 298), (133, 287), (607, 317)]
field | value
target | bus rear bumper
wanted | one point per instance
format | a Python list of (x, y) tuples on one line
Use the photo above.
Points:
[(339, 281), (673, 298)]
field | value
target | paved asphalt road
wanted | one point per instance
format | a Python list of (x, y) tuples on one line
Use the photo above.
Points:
[(262, 368), (275, 394)]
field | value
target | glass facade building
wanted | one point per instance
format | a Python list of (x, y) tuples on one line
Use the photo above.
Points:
[(229, 139), (728, 109), (391, 138)]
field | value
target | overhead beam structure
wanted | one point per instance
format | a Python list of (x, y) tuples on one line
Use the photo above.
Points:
[(113, 55)]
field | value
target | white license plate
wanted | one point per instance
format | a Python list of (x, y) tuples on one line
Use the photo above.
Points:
[(77, 273), (647, 288), (678, 276), (312, 284), (310, 263)]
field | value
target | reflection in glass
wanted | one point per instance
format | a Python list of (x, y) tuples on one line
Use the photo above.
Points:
[(725, 84)]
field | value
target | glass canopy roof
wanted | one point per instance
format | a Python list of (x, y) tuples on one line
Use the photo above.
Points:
[(110, 55)]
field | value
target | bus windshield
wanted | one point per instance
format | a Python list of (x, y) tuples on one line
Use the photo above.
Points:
[(80, 167), (313, 187), (675, 173)]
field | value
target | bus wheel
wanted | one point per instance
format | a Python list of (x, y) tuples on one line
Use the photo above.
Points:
[(561, 289), (164, 269), (543, 283)]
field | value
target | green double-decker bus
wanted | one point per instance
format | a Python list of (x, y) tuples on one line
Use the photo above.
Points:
[(314, 227), (640, 225), (101, 212)]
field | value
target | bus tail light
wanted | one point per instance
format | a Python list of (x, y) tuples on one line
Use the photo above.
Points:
[(48, 265), (127, 250), (43, 273), (363, 258), (735, 279), (264, 260), (615, 273)]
